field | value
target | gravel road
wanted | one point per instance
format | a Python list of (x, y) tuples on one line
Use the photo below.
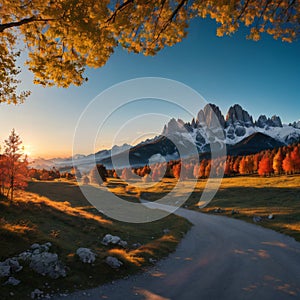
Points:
[(219, 258)]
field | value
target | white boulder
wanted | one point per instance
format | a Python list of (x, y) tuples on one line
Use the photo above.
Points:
[(14, 264), (26, 255), (46, 263), (114, 240), (86, 255), (110, 239), (113, 262)]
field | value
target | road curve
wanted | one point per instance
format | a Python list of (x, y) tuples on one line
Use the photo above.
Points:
[(219, 258)]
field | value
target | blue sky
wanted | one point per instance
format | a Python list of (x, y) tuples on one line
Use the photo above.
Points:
[(261, 76)]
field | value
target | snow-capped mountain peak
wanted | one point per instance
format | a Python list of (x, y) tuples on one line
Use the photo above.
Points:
[(237, 131), (237, 125)]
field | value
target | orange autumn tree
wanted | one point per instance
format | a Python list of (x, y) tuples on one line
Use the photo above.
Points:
[(158, 171), (295, 156), (246, 165), (177, 170), (291, 162), (202, 168), (3, 174), (61, 38), (155, 175), (180, 170), (287, 164), (127, 174), (265, 165), (277, 162), (14, 165)]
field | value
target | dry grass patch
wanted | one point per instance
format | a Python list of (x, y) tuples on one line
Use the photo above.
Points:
[(250, 195), (59, 213)]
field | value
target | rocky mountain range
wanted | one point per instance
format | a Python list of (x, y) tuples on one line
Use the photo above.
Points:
[(237, 131), (237, 125)]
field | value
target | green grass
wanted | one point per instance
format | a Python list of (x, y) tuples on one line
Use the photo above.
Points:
[(250, 195), (59, 213)]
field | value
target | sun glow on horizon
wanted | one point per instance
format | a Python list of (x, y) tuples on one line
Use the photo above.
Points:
[(27, 149)]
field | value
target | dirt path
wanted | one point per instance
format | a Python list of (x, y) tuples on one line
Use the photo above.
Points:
[(219, 258)]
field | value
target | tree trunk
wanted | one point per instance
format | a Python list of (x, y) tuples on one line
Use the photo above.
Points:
[(12, 188)]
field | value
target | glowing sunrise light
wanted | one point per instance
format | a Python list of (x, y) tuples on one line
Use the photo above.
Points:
[(27, 150)]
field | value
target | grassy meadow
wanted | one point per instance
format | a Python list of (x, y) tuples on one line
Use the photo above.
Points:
[(251, 195), (59, 213)]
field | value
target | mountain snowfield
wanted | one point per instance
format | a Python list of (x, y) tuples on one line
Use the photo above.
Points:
[(238, 131), (286, 134), (237, 126)]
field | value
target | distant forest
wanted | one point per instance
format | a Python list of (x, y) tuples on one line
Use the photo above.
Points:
[(284, 160)]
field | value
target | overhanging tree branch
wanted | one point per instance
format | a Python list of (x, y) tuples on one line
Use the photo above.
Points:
[(118, 9), (23, 22), (16, 24), (169, 21)]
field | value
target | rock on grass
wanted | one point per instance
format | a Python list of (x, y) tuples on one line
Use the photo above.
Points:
[(86, 255)]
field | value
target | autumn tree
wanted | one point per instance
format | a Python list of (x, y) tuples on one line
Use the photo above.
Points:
[(158, 172), (277, 162), (85, 180), (115, 174), (126, 174), (291, 162), (76, 173), (228, 168), (202, 168), (207, 170), (62, 38), (246, 165), (169, 170), (220, 168), (147, 178), (196, 171), (177, 170), (145, 171), (161, 169), (216, 168), (3, 174), (15, 165), (33, 174), (287, 164), (265, 165), (256, 160), (155, 175), (236, 165), (98, 174), (189, 170), (45, 175), (295, 156)]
